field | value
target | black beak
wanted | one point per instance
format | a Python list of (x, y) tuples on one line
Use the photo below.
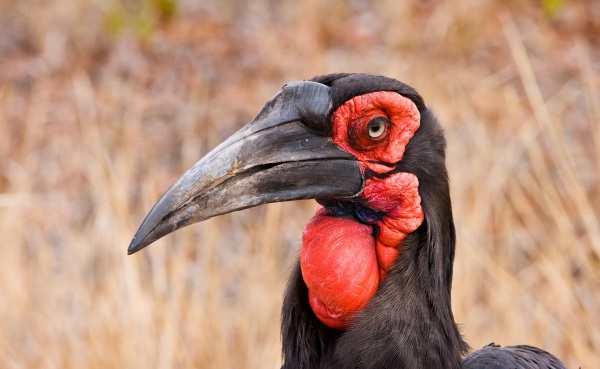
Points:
[(273, 158)]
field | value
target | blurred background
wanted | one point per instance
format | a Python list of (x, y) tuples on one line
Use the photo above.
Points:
[(103, 104)]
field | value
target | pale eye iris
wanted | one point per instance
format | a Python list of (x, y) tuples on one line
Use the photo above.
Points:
[(376, 128)]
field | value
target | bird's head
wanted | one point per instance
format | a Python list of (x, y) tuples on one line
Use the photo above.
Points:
[(365, 147)]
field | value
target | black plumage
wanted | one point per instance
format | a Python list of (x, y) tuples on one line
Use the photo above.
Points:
[(515, 357), (409, 322)]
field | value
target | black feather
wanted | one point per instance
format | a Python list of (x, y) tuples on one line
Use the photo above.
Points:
[(408, 323), (345, 86), (518, 357)]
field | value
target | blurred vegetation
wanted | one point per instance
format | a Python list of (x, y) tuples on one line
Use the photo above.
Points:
[(552, 7), (104, 104), (141, 17)]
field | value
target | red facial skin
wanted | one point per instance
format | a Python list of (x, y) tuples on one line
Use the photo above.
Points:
[(350, 133), (342, 262)]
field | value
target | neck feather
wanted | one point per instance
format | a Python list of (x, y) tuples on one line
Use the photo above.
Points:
[(407, 324)]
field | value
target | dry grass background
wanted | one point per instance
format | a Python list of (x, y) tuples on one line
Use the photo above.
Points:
[(103, 104)]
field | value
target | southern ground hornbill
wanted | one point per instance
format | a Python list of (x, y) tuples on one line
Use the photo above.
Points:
[(372, 285)]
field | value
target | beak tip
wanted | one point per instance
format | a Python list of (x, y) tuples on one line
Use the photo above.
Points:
[(132, 248), (135, 245)]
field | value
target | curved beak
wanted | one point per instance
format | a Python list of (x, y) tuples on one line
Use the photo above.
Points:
[(271, 159)]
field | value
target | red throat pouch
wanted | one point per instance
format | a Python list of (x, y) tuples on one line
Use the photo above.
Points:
[(343, 263), (339, 267)]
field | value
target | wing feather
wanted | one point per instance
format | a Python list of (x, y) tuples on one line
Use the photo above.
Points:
[(493, 356)]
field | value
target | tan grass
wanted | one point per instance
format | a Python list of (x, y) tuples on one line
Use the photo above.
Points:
[(95, 126)]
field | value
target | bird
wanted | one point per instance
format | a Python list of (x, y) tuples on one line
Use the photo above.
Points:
[(372, 284)]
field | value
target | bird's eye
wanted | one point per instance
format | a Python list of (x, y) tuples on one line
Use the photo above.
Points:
[(377, 127)]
